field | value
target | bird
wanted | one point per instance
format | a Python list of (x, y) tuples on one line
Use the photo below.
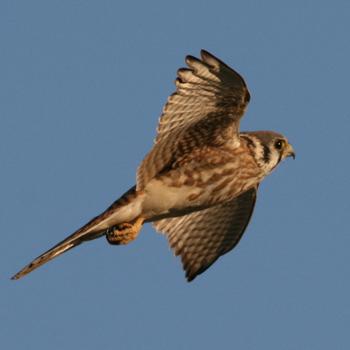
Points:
[(198, 184)]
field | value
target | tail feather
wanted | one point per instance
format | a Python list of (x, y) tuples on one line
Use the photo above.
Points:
[(67, 244), (95, 228)]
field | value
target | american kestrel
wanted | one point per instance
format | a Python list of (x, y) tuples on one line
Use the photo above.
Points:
[(199, 182)]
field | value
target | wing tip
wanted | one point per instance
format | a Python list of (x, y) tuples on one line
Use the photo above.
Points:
[(216, 63), (189, 59), (211, 60), (189, 279), (206, 55), (192, 272)]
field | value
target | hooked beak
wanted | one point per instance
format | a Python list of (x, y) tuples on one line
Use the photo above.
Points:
[(289, 151)]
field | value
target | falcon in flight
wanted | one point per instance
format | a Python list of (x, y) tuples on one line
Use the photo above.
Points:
[(199, 182)]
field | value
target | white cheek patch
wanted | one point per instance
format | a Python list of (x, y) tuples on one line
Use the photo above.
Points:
[(274, 160), (262, 146), (267, 159)]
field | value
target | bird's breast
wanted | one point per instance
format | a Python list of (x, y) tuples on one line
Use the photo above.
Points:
[(197, 185)]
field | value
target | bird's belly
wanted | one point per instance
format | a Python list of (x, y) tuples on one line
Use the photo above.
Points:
[(197, 186), (161, 199)]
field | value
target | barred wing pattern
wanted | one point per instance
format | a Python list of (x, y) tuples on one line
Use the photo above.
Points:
[(208, 92), (201, 237)]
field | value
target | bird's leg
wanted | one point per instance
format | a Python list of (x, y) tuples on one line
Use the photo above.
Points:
[(124, 233)]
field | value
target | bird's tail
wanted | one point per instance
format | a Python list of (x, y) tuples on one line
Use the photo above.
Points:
[(70, 242), (95, 228)]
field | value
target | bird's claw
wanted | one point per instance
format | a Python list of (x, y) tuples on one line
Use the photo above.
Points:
[(124, 233)]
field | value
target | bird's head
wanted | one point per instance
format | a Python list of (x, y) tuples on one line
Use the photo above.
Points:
[(269, 148)]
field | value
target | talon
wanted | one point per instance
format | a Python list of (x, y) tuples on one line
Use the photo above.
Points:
[(124, 233)]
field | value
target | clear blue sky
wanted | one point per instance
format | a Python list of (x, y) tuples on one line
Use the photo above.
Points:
[(82, 84)]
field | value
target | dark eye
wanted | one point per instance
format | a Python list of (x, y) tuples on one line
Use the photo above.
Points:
[(279, 144)]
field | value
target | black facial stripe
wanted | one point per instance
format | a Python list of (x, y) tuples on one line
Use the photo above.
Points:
[(266, 156), (249, 141)]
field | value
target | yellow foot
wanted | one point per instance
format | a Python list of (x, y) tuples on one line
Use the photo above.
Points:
[(124, 233)]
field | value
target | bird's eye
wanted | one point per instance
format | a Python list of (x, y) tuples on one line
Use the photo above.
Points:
[(279, 144)]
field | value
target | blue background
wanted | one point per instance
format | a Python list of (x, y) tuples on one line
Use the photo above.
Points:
[(82, 84)]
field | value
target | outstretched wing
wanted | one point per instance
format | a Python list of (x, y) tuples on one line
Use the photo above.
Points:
[(201, 237), (209, 101)]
